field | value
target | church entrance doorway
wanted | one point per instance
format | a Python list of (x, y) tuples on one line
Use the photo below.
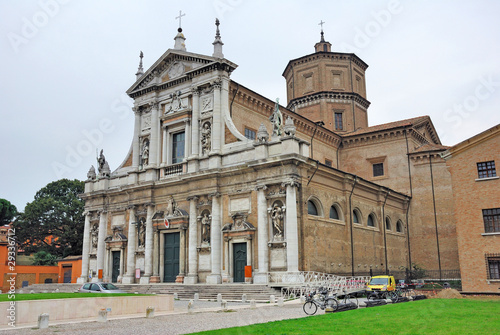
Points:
[(171, 257), (240, 261), (116, 266)]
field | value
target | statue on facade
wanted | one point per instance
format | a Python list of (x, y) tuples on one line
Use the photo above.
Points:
[(142, 233), (172, 208), (91, 174), (104, 170), (262, 134), (145, 153), (289, 128), (206, 138), (176, 104), (277, 120), (277, 221), (205, 228), (95, 235)]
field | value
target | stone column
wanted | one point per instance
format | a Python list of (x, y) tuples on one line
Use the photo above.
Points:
[(192, 277), (101, 245), (182, 256), (122, 264), (162, 256), (86, 250), (148, 252), (187, 144), (215, 242), (135, 141), (195, 131), (129, 277), (292, 239), (225, 273), (156, 257), (217, 119), (164, 157), (263, 237), (154, 144)]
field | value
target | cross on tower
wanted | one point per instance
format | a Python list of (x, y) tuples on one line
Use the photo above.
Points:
[(180, 17), (321, 24)]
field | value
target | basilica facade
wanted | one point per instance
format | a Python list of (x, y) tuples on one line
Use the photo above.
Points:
[(224, 185)]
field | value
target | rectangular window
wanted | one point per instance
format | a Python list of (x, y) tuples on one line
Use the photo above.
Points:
[(250, 134), (491, 218), (178, 148), (338, 121), (328, 162), (378, 169), (486, 169), (493, 266)]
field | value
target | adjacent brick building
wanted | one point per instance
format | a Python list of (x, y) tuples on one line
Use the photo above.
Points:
[(473, 164)]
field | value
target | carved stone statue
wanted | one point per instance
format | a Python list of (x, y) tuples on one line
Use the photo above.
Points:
[(142, 233), (172, 209), (262, 134), (206, 138), (145, 153), (290, 128), (176, 104), (95, 235), (205, 228), (104, 170), (276, 119), (277, 220), (101, 160)]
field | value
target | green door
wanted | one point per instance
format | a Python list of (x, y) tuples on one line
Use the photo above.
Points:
[(116, 266), (171, 257), (239, 261)]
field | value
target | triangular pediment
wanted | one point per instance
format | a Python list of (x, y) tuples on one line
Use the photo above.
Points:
[(175, 65)]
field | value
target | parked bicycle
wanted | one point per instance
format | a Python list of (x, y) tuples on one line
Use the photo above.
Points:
[(382, 294), (405, 291), (346, 300), (321, 300)]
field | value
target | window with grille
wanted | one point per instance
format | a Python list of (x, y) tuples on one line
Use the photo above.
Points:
[(486, 169), (250, 134), (491, 218), (378, 169), (328, 162), (493, 266)]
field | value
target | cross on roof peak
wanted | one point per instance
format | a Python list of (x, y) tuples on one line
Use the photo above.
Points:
[(321, 23), (180, 17)]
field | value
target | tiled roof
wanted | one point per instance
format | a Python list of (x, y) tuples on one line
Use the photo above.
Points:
[(390, 125)]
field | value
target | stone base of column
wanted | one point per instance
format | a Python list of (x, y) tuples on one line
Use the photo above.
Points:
[(260, 278), (128, 280), (214, 161), (144, 280), (179, 279), (191, 279), (81, 280), (214, 279), (193, 165), (154, 279)]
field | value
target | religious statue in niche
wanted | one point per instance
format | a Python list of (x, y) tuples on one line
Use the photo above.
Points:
[(145, 153), (206, 138), (142, 233), (277, 120), (95, 234), (205, 227), (277, 216)]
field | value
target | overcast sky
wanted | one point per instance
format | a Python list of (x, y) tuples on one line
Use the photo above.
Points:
[(66, 65)]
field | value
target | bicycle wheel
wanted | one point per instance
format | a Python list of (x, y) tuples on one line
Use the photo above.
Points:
[(333, 303), (391, 295), (373, 296), (351, 299), (310, 308)]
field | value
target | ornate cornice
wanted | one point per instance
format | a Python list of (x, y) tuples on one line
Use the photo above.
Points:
[(325, 95)]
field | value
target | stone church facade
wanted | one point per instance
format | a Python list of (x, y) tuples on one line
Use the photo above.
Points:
[(220, 179)]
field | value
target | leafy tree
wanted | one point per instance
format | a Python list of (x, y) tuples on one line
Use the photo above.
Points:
[(44, 258), (54, 221), (7, 212)]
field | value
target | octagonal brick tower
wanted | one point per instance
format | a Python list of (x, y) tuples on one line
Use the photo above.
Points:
[(330, 87)]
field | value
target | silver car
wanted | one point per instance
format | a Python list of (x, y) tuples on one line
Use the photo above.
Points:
[(100, 288)]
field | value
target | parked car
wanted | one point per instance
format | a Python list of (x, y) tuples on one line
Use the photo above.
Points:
[(100, 288)]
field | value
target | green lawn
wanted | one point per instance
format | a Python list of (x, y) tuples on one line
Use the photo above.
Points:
[(431, 316), (61, 295)]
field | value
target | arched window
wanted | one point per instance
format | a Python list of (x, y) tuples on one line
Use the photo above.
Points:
[(371, 221), (311, 208), (399, 226), (387, 223), (355, 216), (334, 213)]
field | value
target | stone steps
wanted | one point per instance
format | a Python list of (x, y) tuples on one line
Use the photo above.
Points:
[(229, 292)]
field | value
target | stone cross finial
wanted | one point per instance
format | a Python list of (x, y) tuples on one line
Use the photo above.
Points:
[(180, 18)]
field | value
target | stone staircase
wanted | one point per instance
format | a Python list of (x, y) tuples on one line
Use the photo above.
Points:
[(229, 292)]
